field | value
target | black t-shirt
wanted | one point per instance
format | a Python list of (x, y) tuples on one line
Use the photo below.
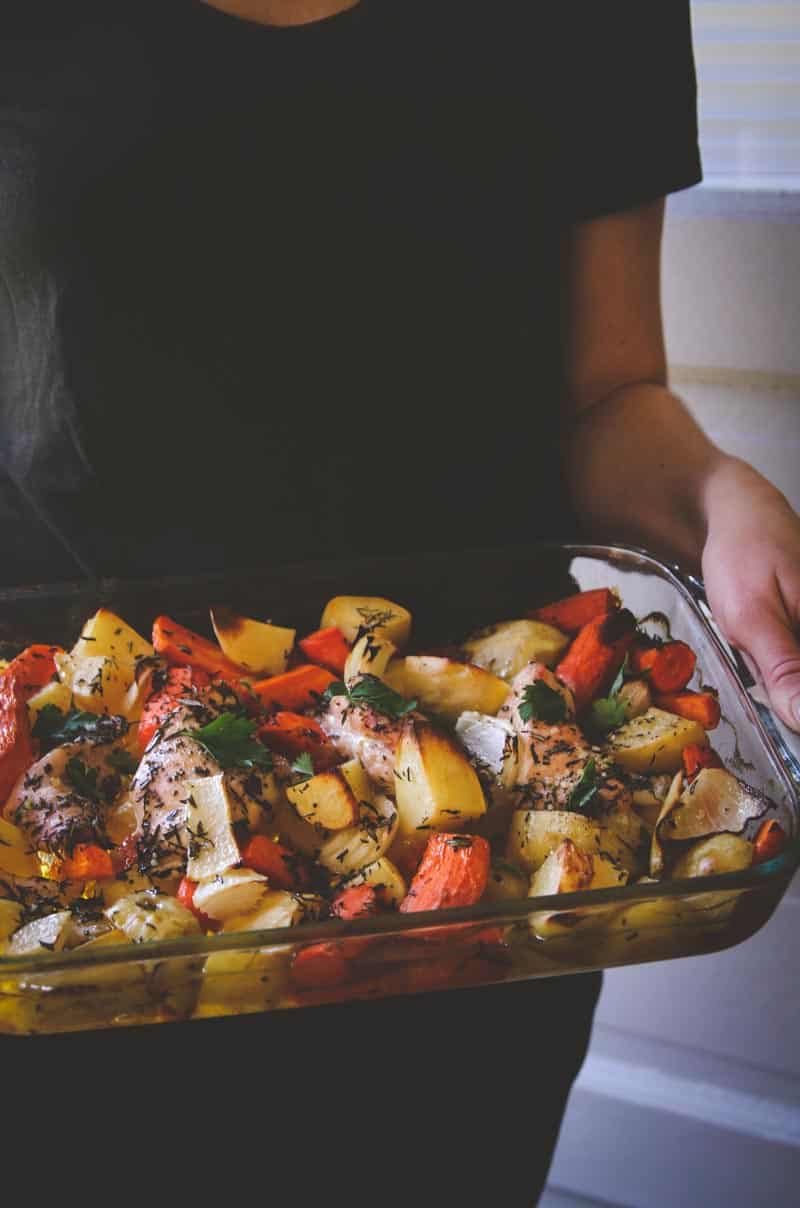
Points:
[(268, 294)]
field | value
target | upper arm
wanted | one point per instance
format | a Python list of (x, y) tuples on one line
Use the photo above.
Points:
[(611, 306)]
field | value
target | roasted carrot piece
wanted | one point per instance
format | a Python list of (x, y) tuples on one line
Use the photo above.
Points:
[(33, 668), (769, 842), (280, 864), (453, 872), (88, 862), (696, 706), (357, 902), (294, 690), (596, 655), (293, 734), (573, 612), (696, 757), (669, 667), (181, 647), (16, 744), (328, 647), (319, 966), (160, 704), (185, 896)]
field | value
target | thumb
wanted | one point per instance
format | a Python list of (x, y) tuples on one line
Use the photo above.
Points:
[(773, 646)]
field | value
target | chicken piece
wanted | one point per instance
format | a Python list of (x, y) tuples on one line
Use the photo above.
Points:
[(63, 798), (359, 732), (159, 801), (532, 674)]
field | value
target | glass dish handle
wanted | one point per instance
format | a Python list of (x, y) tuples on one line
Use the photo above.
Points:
[(755, 690)]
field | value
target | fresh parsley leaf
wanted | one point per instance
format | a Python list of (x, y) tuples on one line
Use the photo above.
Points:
[(542, 703), (229, 739), (54, 728), (82, 778), (122, 761), (371, 691), (304, 765), (585, 790), (609, 711)]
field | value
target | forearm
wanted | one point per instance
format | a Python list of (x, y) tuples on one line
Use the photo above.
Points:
[(641, 470)]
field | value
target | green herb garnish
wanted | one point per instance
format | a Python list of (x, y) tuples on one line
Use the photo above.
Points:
[(82, 778), (609, 711), (542, 703), (122, 761), (585, 790), (54, 728), (304, 765), (371, 691), (229, 739)]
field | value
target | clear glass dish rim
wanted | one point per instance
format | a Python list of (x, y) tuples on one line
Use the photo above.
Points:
[(775, 872)]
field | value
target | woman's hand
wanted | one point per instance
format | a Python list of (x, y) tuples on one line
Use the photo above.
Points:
[(751, 567)]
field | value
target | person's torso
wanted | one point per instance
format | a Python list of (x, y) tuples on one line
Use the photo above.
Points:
[(304, 290)]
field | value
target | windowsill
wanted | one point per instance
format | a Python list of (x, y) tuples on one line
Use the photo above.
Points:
[(776, 199)]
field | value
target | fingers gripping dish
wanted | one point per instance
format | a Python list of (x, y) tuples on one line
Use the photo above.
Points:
[(183, 786)]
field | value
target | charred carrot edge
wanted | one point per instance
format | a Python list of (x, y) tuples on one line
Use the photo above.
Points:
[(596, 655), (159, 704), (573, 612), (769, 842), (282, 865), (695, 706), (185, 896), (181, 647), (16, 744), (669, 667), (293, 690), (357, 902), (294, 734), (696, 757), (328, 647), (454, 872), (88, 862)]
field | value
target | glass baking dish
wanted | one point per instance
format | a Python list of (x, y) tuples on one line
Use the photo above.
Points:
[(449, 595)]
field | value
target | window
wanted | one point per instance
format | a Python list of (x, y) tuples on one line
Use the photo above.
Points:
[(748, 70)]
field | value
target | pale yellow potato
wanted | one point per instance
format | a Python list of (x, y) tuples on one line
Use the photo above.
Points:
[(569, 870), (382, 617), (370, 656), (447, 687), (506, 882), (237, 983), (52, 933), (255, 645), (382, 875), (435, 784), (506, 648), (717, 854), (229, 894), (102, 663), (54, 693), (333, 799), (208, 831), (654, 742), (534, 834), (16, 858), (152, 916), (349, 850)]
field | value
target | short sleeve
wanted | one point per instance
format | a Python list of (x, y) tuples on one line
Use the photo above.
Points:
[(629, 106)]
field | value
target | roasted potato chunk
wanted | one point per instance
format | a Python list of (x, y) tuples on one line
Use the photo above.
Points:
[(654, 741), (506, 648)]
